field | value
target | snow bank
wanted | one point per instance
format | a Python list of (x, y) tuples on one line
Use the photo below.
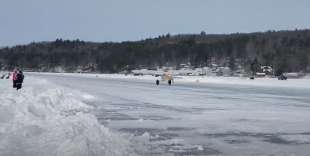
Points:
[(43, 119), (264, 82)]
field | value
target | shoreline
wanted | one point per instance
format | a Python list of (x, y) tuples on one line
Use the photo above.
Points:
[(244, 81)]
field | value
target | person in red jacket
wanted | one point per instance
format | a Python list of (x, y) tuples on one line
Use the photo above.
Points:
[(14, 78)]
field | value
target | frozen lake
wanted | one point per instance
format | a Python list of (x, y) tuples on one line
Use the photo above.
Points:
[(200, 119)]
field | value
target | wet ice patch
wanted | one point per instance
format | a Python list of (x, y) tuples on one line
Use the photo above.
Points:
[(292, 139), (184, 150), (44, 119)]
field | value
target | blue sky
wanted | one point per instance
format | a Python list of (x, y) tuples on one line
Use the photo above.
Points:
[(24, 21)]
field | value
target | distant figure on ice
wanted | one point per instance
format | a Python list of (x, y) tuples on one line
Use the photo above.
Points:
[(8, 76), (19, 80), (14, 78), (3, 76), (169, 82), (168, 77), (157, 82)]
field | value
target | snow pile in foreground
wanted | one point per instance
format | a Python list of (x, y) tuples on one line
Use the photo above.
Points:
[(43, 119)]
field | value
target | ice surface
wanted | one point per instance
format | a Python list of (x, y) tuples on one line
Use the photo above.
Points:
[(215, 116), (44, 119), (221, 116)]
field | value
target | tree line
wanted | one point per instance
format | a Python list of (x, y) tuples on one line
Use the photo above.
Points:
[(285, 51)]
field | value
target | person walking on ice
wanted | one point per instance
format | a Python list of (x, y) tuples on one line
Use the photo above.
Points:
[(169, 82)]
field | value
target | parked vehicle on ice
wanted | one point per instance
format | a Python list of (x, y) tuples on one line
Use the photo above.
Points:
[(282, 77)]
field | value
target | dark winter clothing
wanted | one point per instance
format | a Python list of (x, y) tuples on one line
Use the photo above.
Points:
[(19, 80), (169, 82), (157, 82)]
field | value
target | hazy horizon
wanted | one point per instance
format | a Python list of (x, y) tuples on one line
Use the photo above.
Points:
[(23, 22)]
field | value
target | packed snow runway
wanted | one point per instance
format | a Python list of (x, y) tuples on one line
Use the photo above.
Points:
[(136, 117)]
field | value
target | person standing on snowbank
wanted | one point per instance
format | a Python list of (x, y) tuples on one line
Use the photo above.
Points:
[(19, 80)]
